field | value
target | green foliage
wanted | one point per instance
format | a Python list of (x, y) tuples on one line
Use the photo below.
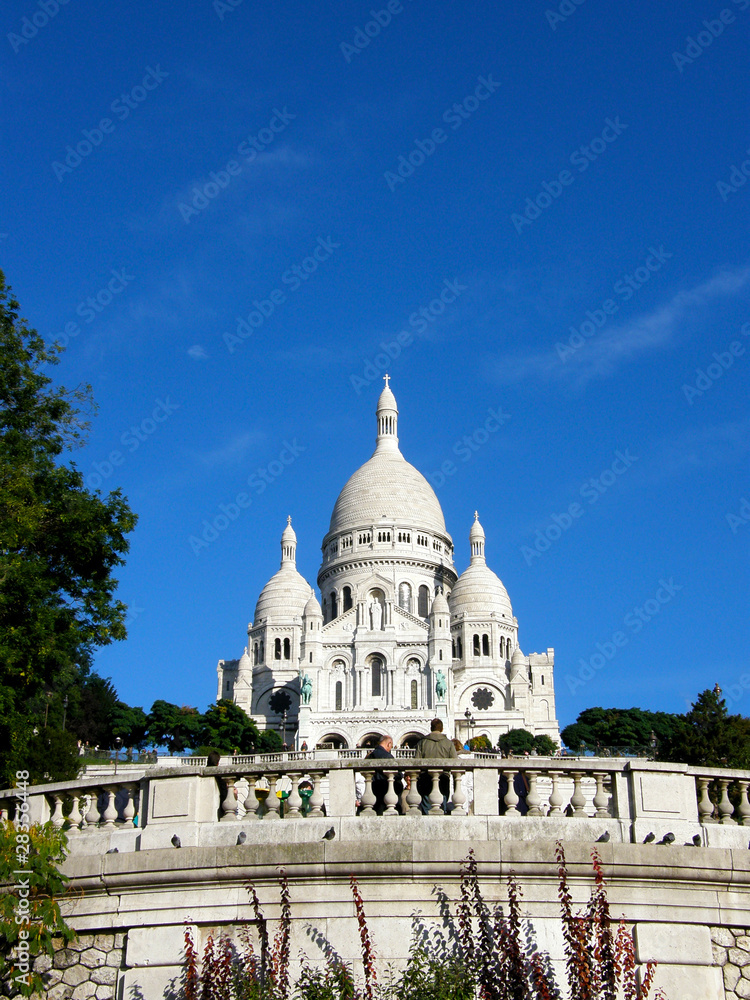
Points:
[(521, 741), (480, 744), (226, 726), (173, 726), (269, 741), (544, 745), (52, 755), (130, 723), (59, 542), (37, 851), (621, 727), (710, 736)]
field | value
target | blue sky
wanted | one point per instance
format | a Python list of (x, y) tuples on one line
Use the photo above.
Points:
[(226, 209)]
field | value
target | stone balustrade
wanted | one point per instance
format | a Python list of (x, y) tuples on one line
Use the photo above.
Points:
[(630, 800)]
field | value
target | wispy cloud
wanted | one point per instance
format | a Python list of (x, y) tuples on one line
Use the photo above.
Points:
[(232, 452), (606, 351)]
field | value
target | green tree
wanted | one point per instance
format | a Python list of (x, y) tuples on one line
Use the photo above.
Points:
[(59, 542), (173, 726), (517, 741), (130, 723), (225, 726), (710, 737), (51, 755), (36, 851), (621, 727)]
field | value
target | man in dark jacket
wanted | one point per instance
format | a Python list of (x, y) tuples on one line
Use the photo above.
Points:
[(379, 780), (436, 744)]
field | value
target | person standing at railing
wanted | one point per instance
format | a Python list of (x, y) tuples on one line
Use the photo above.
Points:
[(436, 744), (379, 781)]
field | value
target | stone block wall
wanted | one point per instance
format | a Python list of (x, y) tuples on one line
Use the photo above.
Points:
[(87, 969), (731, 948)]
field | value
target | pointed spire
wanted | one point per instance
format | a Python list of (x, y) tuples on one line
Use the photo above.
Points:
[(387, 415), (289, 544), (476, 541)]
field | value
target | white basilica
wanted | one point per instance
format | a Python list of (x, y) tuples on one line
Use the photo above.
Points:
[(398, 637)]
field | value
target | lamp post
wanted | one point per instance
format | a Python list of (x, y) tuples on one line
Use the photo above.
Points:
[(118, 744), (283, 727), (469, 722)]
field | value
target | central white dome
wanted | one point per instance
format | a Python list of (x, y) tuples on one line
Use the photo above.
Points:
[(388, 486)]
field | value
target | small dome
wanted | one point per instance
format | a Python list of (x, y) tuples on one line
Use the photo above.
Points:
[(245, 662), (289, 534), (312, 608), (479, 591), (518, 656), (284, 596), (440, 604)]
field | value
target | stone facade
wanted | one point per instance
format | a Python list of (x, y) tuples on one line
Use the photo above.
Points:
[(87, 969), (731, 951), (398, 637)]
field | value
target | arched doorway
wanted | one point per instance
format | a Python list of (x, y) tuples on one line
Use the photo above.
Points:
[(371, 740), (332, 741), (410, 740)]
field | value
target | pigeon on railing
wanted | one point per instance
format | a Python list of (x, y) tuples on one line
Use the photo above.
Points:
[(604, 839), (176, 842), (667, 839), (649, 838), (241, 837), (329, 834)]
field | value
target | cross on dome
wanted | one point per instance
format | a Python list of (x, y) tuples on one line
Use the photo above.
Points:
[(386, 377)]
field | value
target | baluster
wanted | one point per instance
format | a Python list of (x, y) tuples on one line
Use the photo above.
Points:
[(413, 798), (744, 807), (511, 798), (459, 798), (436, 796), (601, 799), (725, 806), (368, 796), (705, 805), (75, 816), (229, 805), (555, 796), (316, 799), (128, 810), (251, 803), (91, 818), (578, 799), (390, 798), (294, 801), (109, 815), (272, 802), (57, 819), (533, 798)]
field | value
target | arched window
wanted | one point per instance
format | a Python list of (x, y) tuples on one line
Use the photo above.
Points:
[(453, 647), (347, 597), (502, 646), (287, 649), (476, 645), (262, 653), (255, 652), (440, 654), (460, 648), (339, 696), (424, 601), (414, 688), (485, 645), (277, 649), (376, 665), (404, 596), (334, 606)]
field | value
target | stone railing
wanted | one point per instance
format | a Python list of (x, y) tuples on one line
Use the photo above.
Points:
[(631, 801)]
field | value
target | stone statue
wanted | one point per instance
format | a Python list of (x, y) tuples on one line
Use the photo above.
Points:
[(441, 688), (376, 615), (306, 689)]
